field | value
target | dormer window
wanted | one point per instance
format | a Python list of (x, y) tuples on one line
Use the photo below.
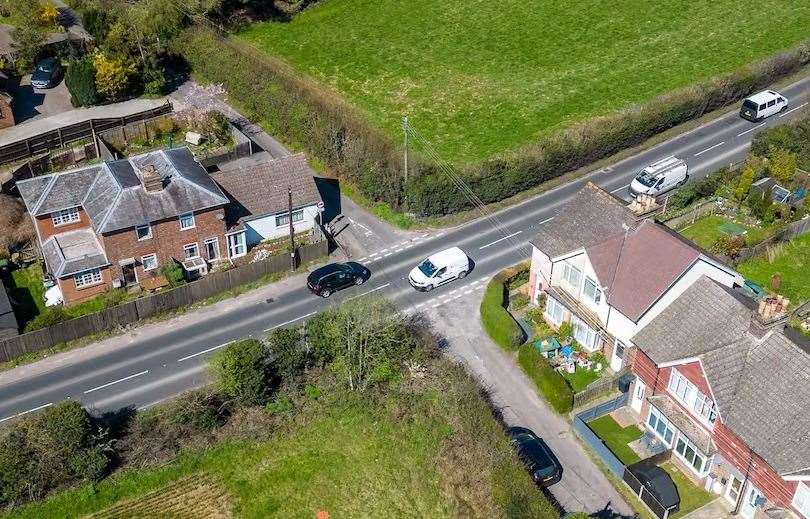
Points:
[(592, 290), (65, 216)]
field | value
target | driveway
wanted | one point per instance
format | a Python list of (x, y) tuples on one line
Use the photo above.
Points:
[(31, 104)]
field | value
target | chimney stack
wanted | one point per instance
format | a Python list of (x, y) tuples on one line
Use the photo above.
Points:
[(772, 311), (152, 181), (643, 205)]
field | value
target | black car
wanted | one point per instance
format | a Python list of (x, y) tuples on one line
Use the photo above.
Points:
[(536, 455), (47, 74), (328, 279)]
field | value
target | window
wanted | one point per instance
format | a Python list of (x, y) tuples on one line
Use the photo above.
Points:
[(88, 277), (236, 245), (584, 334), (555, 311), (592, 291), (572, 275), (149, 262), (704, 406), (212, 248), (186, 221), (772, 102), (661, 426), (801, 499), (144, 232), (619, 353), (65, 216), (681, 387), (284, 219), (191, 250), (689, 452)]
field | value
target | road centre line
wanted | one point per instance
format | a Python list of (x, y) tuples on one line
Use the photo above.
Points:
[(108, 384), (203, 352), (367, 292), (499, 240), (361, 260), (749, 130), (793, 109), (547, 220), (291, 321), (388, 254), (710, 148), (618, 189), (26, 412)]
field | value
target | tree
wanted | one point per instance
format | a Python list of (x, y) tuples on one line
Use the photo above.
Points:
[(290, 358), (746, 179), (112, 75), (28, 42), (782, 165), (48, 15), (80, 80), (242, 371)]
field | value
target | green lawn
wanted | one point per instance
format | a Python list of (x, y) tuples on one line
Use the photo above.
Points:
[(692, 496), (616, 438), (792, 262), (707, 230), (480, 78), (580, 379), (28, 293)]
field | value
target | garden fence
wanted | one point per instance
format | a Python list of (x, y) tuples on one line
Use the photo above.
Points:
[(792, 230), (153, 305), (600, 388)]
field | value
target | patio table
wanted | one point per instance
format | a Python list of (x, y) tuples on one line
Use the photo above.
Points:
[(547, 346)]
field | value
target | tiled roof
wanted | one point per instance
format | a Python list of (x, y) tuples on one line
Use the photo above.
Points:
[(761, 386), (71, 252), (261, 189), (588, 218)]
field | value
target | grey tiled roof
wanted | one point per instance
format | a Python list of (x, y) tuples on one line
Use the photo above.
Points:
[(261, 189), (113, 196), (72, 252), (590, 217), (761, 386)]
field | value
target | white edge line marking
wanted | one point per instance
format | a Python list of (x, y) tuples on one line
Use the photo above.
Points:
[(361, 259), (710, 148), (367, 292), (500, 240), (203, 352), (548, 219), (793, 109), (749, 130), (387, 254), (291, 321), (108, 384), (612, 192), (49, 404)]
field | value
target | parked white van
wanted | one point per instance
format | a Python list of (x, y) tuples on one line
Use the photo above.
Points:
[(439, 268), (762, 105), (660, 177)]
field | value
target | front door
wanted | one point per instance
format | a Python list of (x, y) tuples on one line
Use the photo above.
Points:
[(128, 272), (638, 395), (749, 505), (617, 360), (733, 488)]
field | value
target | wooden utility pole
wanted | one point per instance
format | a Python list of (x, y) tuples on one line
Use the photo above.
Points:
[(292, 230), (406, 129)]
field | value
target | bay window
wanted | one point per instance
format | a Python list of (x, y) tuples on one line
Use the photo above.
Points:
[(661, 426), (555, 311), (584, 334), (689, 453), (87, 278)]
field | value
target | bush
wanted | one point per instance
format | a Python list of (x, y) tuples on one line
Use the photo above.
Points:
[(173, 272), (50, 316), (80, 80), (497, 321), (549, 383), (289, 355), (519, 300), (729, 245), (242, 371)]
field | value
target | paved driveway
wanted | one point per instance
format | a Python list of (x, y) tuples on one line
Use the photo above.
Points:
[(30, 104)]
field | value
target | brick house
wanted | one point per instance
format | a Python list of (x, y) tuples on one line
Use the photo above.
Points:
[(609, 272), (726, 387)]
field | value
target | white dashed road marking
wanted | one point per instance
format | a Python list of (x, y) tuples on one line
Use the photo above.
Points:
[(709, 148), (291, 321), (26, 412), (499, 240), (750, 130), (793, 109), (108, 384)]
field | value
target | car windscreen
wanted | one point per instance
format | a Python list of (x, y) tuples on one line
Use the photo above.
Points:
[(646, 178), (750, 104), (427, 268), (45, 67)]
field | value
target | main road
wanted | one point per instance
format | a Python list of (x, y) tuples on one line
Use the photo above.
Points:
[(143, 369)]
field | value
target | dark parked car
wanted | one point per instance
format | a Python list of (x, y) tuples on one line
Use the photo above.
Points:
[(47, 74), (658, 483), (536, 455), (328, 279)]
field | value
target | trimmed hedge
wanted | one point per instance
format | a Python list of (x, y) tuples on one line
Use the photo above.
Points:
[(551, 384), (497, 321)]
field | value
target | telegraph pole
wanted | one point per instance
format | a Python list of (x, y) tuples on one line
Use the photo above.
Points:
[(292, 231), (406, 128)]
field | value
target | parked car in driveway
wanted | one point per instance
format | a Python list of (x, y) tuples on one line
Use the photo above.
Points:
[(47, 74), (536, 455), (328, 279), (763, 104), (439, 268)]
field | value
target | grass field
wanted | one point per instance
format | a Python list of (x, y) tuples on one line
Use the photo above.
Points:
[(479, 78), (792, 261)]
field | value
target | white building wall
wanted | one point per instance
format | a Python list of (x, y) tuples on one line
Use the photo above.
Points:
[(265, 228), (540, 272)]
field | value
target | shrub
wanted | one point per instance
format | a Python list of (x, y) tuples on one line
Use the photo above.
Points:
[(782, 137), (746, 179), (154, 82), (80, 80), (519, 300), (683, 197), (551, 385), (729, 246), (112, 75), (782, 166), (48, 317), (497, 321), (173, 272), (242, 371), (565, 331), (289, 355)]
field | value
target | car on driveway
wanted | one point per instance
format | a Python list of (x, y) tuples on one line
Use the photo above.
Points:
[(47, 74), (541, 463), (438, 269), (328, 279)]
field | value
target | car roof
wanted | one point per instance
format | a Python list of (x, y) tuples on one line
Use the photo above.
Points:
[(448, 255), (764, 96), (659, 482), (329, 269)]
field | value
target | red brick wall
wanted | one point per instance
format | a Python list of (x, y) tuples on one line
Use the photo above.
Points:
[(693, 372), (647, 371), (73, 295), (6, 114), (47, 229), (167, 241)]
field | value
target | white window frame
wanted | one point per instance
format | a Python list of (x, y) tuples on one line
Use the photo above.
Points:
[(88, 278), (681, 388), (187, 215), (584, 334), (696, 453), (148, 234), (237, 244), (571, 272), (282, 219), (705, 407), (596, 295), (189, 246), (801, 499), (66, 216), (668, 427), (552, 308), (152, 256), (209, 241)]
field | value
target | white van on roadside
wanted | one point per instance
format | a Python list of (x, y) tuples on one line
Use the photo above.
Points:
[(439, 268), (762, 105), (659, 177)]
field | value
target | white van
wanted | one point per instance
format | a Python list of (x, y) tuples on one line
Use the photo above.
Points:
[(660, 177), (440, 268), (762, 105)]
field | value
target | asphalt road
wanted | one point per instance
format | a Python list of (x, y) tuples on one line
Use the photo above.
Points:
[(147, 369)]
